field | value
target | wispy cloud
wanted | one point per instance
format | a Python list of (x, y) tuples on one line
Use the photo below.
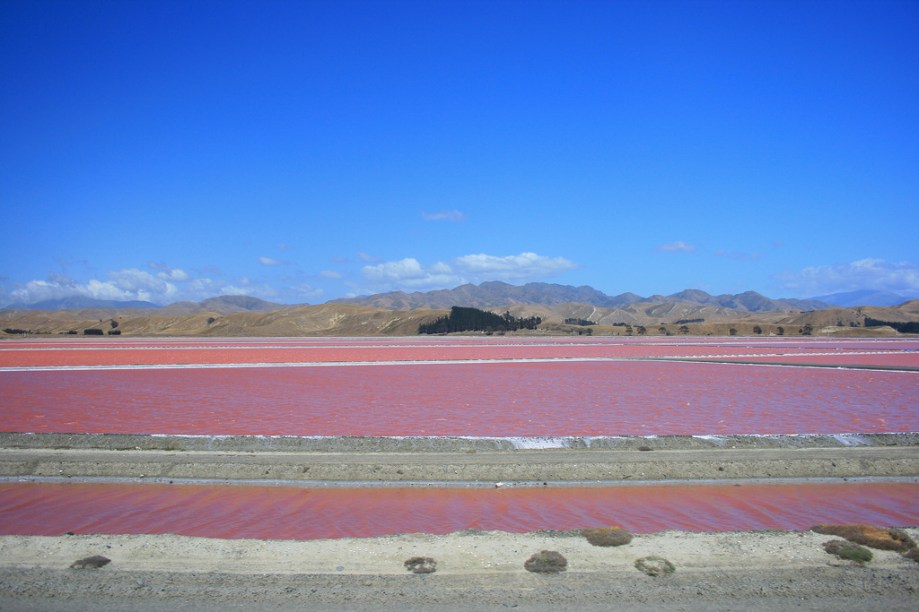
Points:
[(874, 274), (676, 247), (409, 273), (270, 261), (443, 215)]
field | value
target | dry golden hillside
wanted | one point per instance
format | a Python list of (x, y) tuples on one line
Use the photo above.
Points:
[(338, 319), (323, 320)]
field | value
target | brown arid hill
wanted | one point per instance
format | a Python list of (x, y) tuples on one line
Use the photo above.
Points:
[(846, 320), (337, 319), (322, 320)]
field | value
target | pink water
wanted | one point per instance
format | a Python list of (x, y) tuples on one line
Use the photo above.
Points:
[(267, 512), (452, 387), (118, 351), (579, 398)]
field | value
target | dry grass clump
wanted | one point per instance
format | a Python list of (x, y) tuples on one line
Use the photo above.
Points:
[(421, 565), (868, 535), (655, 566), (94, 562), (607, 536), (850, 551), (546, 562)]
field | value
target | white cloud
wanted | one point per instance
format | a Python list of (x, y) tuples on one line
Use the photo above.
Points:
[(128, 284), (168, 273), (443, 215), (333, 274), (166, 286), (676, 247), (409, 273), (512, 267), (873, 274), (174, 275)]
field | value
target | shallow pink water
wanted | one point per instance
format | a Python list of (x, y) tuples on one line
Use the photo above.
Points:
[(622, 394), (606, 398), (267, 512), (117, 351)]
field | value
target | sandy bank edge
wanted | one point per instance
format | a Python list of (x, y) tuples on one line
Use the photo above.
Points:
[(753, 570)]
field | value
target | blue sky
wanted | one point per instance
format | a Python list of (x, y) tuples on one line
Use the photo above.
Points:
[(305, 151)]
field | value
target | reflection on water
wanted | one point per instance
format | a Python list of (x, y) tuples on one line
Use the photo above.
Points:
[(275, 512)]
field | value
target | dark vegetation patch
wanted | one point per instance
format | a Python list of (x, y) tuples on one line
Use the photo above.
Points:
[(850, 551), (911, 327), (546, 562), (869, 535), (94, 562), (421, 565), (912, 554), (607, 536), (472, 319)]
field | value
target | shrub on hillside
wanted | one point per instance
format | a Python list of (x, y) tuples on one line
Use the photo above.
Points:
[(868, 535), (850, 551), (546, 562), (607, 536)]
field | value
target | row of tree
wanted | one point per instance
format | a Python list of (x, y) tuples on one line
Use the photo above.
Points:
[(463, 319), (904, 327)]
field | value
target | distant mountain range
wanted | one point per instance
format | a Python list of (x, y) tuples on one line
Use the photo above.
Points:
[(865, 298), (78, 302), (225, 304), (494, 294), (563, 309)]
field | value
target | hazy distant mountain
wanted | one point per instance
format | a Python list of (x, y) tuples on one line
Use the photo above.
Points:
[(493, 294), (498, 295), (225, 304), (864, 298), (77, 302)]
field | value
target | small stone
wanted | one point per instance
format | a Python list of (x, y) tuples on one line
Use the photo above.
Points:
[(655, 566), (94, 562)]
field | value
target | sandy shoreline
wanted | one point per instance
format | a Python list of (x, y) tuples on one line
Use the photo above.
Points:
[(475, 570)]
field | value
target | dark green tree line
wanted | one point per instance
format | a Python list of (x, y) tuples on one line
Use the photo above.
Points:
[(463, 319)]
